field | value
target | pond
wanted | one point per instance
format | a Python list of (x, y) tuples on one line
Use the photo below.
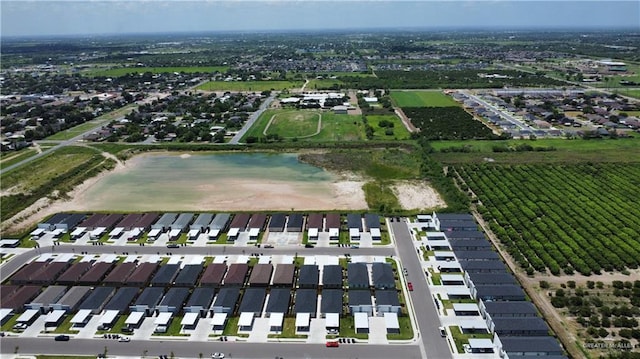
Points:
[(220, 181)]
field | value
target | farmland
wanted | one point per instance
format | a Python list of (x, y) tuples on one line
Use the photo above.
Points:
[(562, 151), (561, 218), (422, 99), (447, 123), (256, 86), (121, 71)]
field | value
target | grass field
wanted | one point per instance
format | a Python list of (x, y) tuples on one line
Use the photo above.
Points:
[(399, 131), (620, 150), (380, 197), (317, 84), (334, 127), (59, 171), (82, 128), (15, 157), (422, 99), (121, 71), (631, 93), (294, 124), (258, 86)]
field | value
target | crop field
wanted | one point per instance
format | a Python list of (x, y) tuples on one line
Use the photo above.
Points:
[(334, 127), (422, 99), (565, 151), (555, 217), (294, 124), (257, 86), (121, 71), (59, 171), (397, 131), (447, 123)]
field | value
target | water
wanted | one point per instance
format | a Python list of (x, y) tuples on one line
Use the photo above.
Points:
[(209, 182)]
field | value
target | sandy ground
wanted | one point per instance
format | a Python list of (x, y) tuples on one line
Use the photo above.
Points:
[(233, 195), (416, 195)]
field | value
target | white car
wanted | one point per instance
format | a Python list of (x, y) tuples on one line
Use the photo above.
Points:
[(124, 339), (217, 355)]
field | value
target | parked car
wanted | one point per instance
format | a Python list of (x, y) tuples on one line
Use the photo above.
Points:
[(217, 355), (332, 344), (410, 286), (173, 245), (443, 332), (124, 339), (354, 246), (308, 245), (268, 246), (61, 338)]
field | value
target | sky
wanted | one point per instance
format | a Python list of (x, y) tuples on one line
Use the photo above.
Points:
[(75, 17)]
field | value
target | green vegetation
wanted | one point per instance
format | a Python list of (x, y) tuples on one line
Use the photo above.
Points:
[(65, 356), (65, 326), (255, 86), (379, 164), (419, 79), (422, 99), (15, 157), (231, 328), (60, 171), (121, 71), (324, 84), (447, 123), (295, 125), (387, 127), (380, 197), (602, 311), (460, 339), (526, 205), (74, 131), (348, 328), (406, 330), (8, 326), (288, 330)]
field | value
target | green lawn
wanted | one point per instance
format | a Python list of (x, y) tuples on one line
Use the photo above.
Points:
[(348, 328), (120, 71), (288, 330), (294, 123), (257, 86), (422, 99), (631, 93), (65, 327), (14, 157), (379, 133), (334, 127)]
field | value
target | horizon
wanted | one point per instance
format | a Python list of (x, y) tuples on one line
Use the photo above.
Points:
[(21, 19)]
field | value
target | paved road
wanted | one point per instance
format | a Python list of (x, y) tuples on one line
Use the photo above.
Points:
[(503, 114), (182, 349), (425, 310), (252, 119)]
